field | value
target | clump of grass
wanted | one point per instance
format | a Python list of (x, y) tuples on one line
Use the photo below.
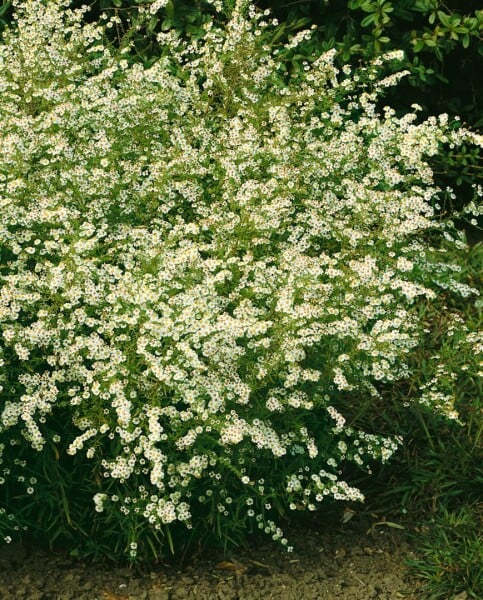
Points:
[(450, 554)]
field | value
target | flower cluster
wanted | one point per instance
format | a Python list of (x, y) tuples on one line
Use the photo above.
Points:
[(205, 261)]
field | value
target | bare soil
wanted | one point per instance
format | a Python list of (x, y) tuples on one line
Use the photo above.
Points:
[(351, 561)]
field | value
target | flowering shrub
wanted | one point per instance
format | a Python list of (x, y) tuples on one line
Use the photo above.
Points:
[(207, 267)]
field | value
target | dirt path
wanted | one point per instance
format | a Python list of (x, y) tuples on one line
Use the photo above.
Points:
[(345, 563)]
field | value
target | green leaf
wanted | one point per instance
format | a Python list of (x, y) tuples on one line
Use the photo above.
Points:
[(153, 21), (300, 23), (278, 33), (369, 20), (422, 6), (170, 10), (191, 29), (444, 18), (418, 46), (368, 6), (386, 524), (4, 8)]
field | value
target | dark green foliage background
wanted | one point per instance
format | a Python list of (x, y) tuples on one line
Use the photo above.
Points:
[(442, 42)]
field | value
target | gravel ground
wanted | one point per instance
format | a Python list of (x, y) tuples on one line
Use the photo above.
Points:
[(347, 562)]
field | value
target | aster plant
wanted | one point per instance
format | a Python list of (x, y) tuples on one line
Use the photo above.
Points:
[(208, 265)]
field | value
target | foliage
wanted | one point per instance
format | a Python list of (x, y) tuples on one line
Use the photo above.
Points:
[(441, 461), (187, 18), (443, 53), (442, 42), (213, 268), (451, 554), (437, 477), (4, 9)]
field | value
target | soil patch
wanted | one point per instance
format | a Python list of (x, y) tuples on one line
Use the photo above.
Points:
[(342, 563)]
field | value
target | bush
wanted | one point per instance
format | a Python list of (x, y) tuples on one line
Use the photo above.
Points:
[(208, 265), (440, 41)]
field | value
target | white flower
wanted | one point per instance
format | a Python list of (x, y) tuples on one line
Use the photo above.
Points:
[(157, 5)]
